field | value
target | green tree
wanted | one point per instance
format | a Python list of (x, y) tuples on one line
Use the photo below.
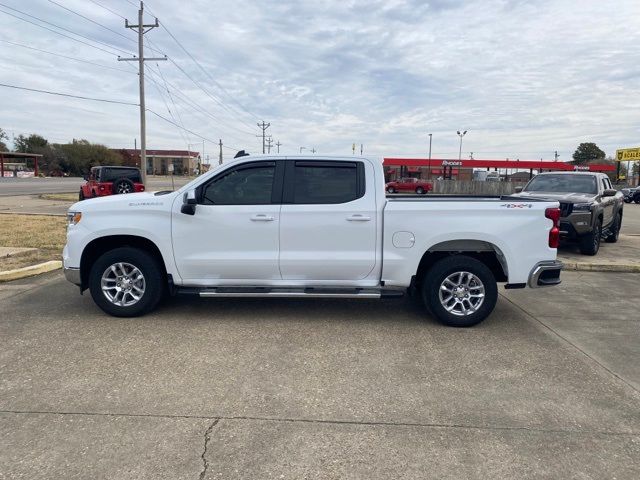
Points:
[(78, 157), (587, 152), (3, 136), (30, 144)]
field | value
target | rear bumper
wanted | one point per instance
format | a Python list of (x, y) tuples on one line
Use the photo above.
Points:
[(545, 274)]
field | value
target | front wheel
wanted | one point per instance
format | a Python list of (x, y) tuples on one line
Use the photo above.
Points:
[(391, 190), (590, 243), (419, 190), (460, 291), (615, 229), (126, 282)]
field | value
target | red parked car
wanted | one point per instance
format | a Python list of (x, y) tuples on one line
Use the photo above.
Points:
[(104, 180), (409, 185)]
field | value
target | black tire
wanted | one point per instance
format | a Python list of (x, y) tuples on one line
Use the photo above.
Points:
[(154, 281), (615, 229), (419, 190), (391, 190), (435, 277), (590, 243), (636, 199), (122, 186), (80, 196)]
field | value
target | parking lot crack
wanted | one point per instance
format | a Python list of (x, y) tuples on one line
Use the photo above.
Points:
[(566, 340), (207, 438)]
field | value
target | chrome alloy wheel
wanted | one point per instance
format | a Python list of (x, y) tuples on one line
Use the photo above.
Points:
[(124, 188), (123, 284), (461, 293)]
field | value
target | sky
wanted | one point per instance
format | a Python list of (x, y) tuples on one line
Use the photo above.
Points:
[(523, 78)]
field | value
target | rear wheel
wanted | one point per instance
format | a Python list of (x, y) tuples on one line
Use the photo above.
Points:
[(123, 185), (126, 282), (460, 291), (81, 195), (391, 190), (615, 229), (590, 243), (419, 190)]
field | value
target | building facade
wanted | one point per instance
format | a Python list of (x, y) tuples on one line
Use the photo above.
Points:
[(184, 162)]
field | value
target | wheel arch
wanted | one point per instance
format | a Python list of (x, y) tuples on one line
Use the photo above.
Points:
[(94, 249), (486, 252)]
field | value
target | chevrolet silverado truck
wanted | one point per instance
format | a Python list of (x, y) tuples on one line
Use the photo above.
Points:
[(591, 209), (277, 226)]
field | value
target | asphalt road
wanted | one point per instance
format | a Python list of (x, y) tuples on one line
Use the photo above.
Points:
[(547, 387), (36, 186)]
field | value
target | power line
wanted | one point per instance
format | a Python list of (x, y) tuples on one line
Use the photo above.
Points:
[(108, 9), (68, 95), (92, 21), (65, 56), (178, 94), (186, 129), (59, 33), (206, 72), (57, 26)]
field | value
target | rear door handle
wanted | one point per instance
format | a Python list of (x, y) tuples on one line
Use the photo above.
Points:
[(358, 218), (262, 218)]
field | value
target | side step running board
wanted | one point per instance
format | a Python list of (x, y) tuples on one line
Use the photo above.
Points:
[(247, 292)]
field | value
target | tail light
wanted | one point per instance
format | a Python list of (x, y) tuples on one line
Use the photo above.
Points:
[(554, 233)]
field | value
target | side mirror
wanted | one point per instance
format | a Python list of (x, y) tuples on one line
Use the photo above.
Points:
[(518, 189), (189, 203), (609, 192)]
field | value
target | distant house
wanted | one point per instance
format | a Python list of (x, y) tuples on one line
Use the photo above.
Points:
[(184, 162), (519, 177)]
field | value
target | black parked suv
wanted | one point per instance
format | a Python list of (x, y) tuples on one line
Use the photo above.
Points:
[(590, 208)]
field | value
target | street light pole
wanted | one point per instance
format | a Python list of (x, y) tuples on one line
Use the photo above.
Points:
[(459, 152)]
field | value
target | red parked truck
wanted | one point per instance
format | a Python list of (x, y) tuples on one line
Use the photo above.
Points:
[(106, 180), (409, 185)]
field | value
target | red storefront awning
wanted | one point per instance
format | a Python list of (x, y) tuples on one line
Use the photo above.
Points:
[(512, 164)]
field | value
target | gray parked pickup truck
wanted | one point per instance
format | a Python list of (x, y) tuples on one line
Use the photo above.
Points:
[(590, 208)]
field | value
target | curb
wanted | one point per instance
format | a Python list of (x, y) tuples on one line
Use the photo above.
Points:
[(601, 267), (34, 214), (30, 271)]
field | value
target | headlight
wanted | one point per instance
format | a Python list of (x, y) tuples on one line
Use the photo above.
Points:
[(581, 207), (73, 218)]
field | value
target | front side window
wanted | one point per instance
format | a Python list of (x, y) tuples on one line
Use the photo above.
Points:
[(317, 182), (245, 185)]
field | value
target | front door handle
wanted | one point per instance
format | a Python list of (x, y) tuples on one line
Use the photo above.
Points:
[(262, 218), (358, 218)]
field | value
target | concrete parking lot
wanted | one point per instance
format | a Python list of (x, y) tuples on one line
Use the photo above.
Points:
[(547, 387)]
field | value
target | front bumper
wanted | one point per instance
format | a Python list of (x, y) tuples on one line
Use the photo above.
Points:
[(575, 225), (73, 275), (545, 274)]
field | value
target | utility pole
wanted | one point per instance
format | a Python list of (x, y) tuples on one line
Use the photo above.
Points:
[(269, 142), (264, 127), (143, 127), (361, 149), (430, 138), (313, 150), (278, 144), (557, 156), (220, 145)]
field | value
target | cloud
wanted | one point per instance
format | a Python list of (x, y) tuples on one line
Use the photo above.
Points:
[(524, 78)]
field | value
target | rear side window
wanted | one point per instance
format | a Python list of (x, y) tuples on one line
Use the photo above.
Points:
[(112, 174), (245, 185), (327, 182)]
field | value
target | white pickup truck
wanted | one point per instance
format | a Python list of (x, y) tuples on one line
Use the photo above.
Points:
[(309, 227)]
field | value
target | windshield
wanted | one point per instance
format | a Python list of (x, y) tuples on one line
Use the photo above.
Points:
[(563, 184)]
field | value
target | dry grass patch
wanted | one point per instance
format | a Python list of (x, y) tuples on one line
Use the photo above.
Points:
[(47, 234), (61, 197)]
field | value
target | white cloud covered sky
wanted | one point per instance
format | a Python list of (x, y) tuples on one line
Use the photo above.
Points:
[(525, 78)]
